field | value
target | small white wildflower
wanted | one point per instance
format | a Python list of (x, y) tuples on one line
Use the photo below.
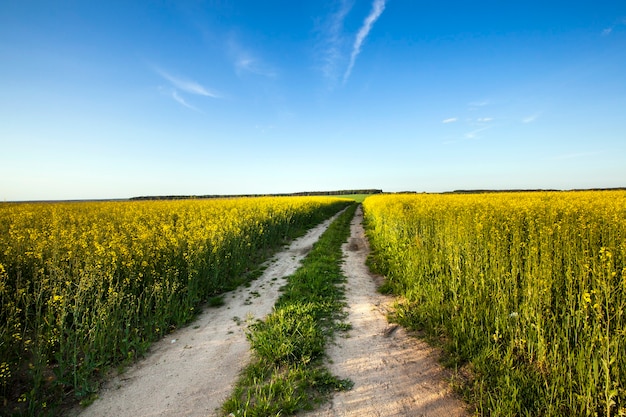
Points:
[(513, 315)]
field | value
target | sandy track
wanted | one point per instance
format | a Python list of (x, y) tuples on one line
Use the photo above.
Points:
[(393, 374), (192, 370)]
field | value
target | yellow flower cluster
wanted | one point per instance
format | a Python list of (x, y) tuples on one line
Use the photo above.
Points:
[(535, 281)]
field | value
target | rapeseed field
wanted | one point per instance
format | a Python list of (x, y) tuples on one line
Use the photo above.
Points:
[(87, 286), (527, 292)]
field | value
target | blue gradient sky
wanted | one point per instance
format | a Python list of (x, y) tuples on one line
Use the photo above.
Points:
[(116, 99)]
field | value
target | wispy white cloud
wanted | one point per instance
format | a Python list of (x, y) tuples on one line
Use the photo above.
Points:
[(484, 119), (246, 61), (474, 133), (607, 31), (531, 118), (471, 135), (378, 6), (180, 86), (450, 120), (333, 43), (475, 105), (188, 86), (182, 101), (247, 64)]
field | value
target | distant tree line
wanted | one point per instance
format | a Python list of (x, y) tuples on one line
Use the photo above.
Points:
[(298, 194), (479, 191)]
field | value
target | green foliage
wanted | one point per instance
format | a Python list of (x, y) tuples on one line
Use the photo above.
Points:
[(290, 335), (356, 197), (216, 301)]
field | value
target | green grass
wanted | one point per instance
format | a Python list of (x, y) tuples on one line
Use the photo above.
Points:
[(287, 373), (216, 301), (356, 197)]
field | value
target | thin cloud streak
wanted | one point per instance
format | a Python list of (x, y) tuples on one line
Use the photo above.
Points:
[(377, 9), (253, 66), (182, 101), (187, 86), (474, 133), (530, 118), (475, 105), (607, 31), (333, 43), (247, 62), (450, 120)]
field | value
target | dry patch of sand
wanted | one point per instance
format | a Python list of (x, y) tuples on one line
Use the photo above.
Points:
[(193, 370)]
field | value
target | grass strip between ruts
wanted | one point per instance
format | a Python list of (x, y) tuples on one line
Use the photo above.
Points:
[(287, 373)]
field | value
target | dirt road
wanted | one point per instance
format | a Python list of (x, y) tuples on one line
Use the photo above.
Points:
[(192, 370), (393, 374)]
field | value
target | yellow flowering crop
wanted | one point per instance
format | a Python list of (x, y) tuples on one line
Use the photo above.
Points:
[(528, 287), (86, 285)]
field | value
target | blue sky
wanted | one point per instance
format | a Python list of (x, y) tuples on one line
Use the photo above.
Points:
[(116, 99)]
